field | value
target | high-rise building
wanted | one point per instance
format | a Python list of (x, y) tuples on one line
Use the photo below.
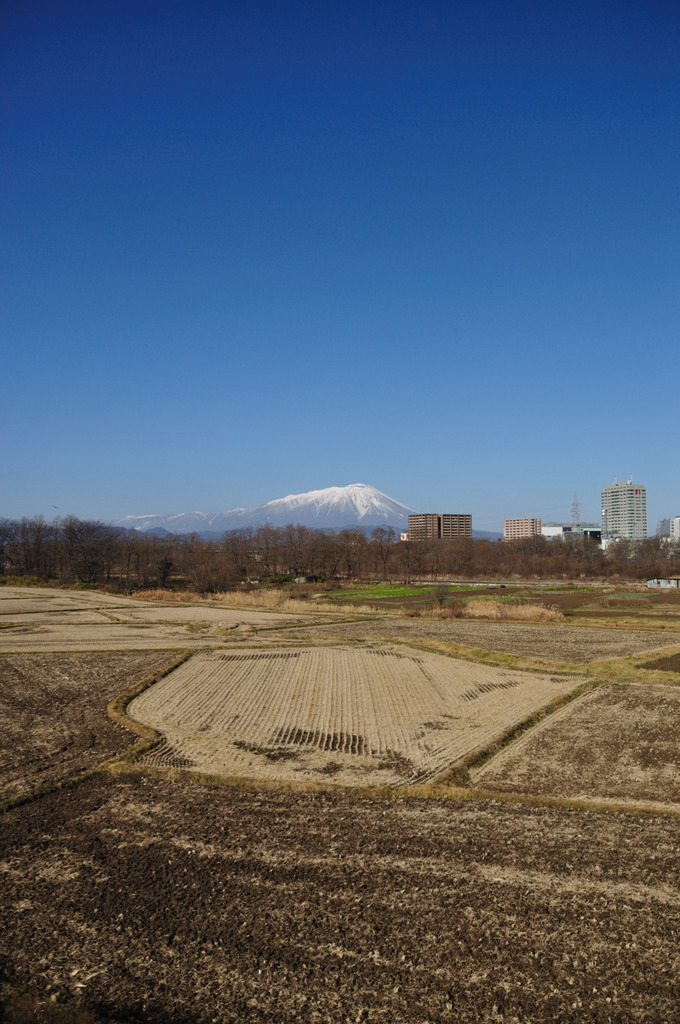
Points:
[(439, 526), (674, 530), (624, 511), (514, 529)]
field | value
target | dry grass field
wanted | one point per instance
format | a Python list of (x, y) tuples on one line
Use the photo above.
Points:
[(575, 645), (617, 742), (376, 715), (147, 894), (53, 620)]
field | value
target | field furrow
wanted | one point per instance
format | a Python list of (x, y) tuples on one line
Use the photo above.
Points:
[(360, 715)]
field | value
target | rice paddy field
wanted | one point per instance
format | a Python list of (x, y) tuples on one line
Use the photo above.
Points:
[(214, 813), (363, 716)]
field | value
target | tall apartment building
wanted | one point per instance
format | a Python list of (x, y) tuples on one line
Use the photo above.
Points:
[(439, 526), (513, 529), (624, 511), (674, 530)]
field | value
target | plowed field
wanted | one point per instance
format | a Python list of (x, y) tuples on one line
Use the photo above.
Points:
[(618, 742), (162, 900), (376, 715), (165, 902), (53, 713)]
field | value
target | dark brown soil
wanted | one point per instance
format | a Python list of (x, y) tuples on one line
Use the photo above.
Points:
[(669, 664), (166, 901), (634, 599), (53, 713)]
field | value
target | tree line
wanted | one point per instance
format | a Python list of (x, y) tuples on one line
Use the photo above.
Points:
[(71, 551)]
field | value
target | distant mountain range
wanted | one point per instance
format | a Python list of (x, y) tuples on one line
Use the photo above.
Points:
[(334, 508)]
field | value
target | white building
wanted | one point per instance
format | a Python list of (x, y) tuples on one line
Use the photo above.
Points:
[(675, 528), (624, 511), (558, 531)]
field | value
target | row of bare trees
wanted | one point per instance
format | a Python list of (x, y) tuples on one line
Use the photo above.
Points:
[(72, 550)]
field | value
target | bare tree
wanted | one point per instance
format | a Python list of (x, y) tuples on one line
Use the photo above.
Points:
[(33, 548), (353, 545), (91, 549), (383, 544), (8, 529)]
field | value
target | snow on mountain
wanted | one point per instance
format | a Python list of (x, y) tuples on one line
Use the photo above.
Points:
[(356, 503), (332, 508)]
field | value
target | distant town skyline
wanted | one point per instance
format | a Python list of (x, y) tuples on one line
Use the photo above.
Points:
[(257, 250), (337, 507)]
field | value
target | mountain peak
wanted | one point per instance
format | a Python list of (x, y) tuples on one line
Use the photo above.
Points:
[(331, 508)]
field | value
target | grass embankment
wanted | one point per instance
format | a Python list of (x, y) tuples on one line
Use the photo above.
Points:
[(117, 712), (459, 774)]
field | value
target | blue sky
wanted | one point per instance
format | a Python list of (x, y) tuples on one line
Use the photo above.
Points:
[(253, 249)]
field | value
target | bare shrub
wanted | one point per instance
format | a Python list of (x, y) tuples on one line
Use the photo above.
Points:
[(512, 610), (440, 595), (454, 609), (267, 598), (281, 601), (480, 608)]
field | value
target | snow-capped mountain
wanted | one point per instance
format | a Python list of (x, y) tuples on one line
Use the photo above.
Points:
[(332, 508)]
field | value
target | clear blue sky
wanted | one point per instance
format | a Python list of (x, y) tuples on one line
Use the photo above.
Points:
[(253, 249)]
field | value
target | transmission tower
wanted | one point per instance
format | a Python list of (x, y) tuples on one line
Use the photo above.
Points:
[(575, 510)]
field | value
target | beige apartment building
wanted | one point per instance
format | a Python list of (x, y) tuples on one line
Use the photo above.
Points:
[(439, 526), (514, 529)]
